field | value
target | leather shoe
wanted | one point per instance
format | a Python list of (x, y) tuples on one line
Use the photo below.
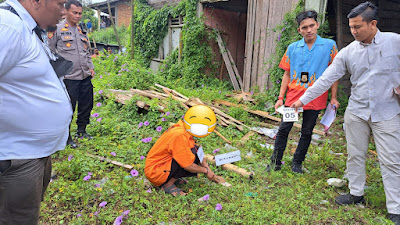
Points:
[(271, 167), (349, 199), (296, 168), (82, 135), (71, 143)]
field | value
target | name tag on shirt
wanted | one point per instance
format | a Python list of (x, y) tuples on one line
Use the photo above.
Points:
[(200, 154)]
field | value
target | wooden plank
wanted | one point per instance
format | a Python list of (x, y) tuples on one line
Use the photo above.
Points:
[(257, 32), (246, 137), (172, 91), (230, 167), (249, 44), (263, 39), (235, 68), (120, 164), (227, 62)]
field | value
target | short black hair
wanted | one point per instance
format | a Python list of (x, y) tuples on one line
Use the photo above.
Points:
[(72, 2), (367, 10), (305, 15)]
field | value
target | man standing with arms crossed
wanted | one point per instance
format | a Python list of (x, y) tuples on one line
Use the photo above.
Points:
[(373, 60), (70, 42), (34, 108), (304, 62)]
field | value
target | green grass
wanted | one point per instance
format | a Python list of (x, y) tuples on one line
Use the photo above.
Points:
[(269, 198)]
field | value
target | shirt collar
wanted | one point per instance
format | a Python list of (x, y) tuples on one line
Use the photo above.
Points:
[(25, 16), (318, 41), (376, 40)]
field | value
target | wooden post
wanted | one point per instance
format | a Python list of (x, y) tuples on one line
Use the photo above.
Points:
[(133, 30), (98, 19), (113, 24), (339, 24)]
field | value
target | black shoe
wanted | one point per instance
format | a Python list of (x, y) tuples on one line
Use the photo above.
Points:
[(395, 218), (272, 167), (83, 135), (71, 143), (349, 199), (296, 168)]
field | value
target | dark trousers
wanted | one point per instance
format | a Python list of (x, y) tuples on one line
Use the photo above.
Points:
[(22, 186), (178, 172), (81, 92), (309, 120)]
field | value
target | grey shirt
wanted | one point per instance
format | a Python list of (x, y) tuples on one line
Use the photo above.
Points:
[(374, 73), (72, 44)]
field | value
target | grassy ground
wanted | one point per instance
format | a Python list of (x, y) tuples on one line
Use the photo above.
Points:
[(269, 198)]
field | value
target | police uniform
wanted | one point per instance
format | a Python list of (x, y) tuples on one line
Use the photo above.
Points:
[(72, 44)]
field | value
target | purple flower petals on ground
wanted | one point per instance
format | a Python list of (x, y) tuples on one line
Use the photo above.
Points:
[(118, 220), (146, 140), (216, 150), (113, 154), (159, 128), (103, 204), (206, 197), (96, 213), (86, 178), (98, 104), (95, 115), (79, 215), (101, 91), (99, 119), (70, 157), (140, 124), (149, 190), (163, 119), (218, 207), (142, 157), (134, 173), (167, 113), (146, 123)]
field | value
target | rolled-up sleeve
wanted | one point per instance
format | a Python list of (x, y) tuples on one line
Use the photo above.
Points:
[(333, 73)]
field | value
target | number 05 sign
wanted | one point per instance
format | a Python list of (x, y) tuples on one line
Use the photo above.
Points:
[(289, 114)]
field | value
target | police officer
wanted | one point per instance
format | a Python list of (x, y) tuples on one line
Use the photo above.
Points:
[(71, 43)]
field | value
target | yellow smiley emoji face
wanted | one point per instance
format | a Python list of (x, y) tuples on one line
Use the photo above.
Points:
[(200, 121)]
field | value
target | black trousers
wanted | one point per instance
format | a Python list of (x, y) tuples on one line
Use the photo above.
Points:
[(309, 121), (178, 172), (81, 92)]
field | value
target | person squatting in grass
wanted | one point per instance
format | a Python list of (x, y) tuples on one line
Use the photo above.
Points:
[(373, 61), (34, 107), (175, 153), (303, 62)]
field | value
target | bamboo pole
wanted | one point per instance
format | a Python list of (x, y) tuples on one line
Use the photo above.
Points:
[(113, 24), (120, 164), (133, 30)]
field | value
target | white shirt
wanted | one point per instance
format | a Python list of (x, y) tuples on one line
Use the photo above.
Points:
[(35, 111), (374, 73)]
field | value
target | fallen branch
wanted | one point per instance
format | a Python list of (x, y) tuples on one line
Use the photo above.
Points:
[(221, 136), (120, 164), (231, 167)]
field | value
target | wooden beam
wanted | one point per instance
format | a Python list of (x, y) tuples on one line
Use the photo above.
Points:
[(120, 164), (228, 63), (230, 167), (221, 136)]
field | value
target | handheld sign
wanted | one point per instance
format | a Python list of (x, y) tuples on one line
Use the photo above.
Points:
[(289, 114), (200, 154), (227, 158), (329, 117)]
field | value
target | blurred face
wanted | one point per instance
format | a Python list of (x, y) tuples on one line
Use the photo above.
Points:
[(74, 14), (308, 29), (50, 12), (362, 30)]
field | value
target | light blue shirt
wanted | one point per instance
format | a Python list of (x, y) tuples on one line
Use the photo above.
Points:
[(374, 73), (35, 110)]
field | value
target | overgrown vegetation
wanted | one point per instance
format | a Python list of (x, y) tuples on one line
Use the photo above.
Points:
[(75, 197)]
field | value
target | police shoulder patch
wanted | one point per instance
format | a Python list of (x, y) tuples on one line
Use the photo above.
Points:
[(50, 34)]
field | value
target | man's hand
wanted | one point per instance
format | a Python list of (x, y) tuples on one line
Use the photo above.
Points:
[(335, 102), (297, 104), (278, 104), (92, 73), (210, 174)]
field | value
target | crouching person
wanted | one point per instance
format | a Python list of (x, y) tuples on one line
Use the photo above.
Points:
[(175, 154)]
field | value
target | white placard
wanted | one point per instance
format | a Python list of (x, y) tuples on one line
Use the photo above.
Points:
[(329, 116), (227, 158), (200, 154), (289, 114)]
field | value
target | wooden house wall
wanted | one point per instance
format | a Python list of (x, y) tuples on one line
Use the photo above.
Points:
[(262, 17)]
